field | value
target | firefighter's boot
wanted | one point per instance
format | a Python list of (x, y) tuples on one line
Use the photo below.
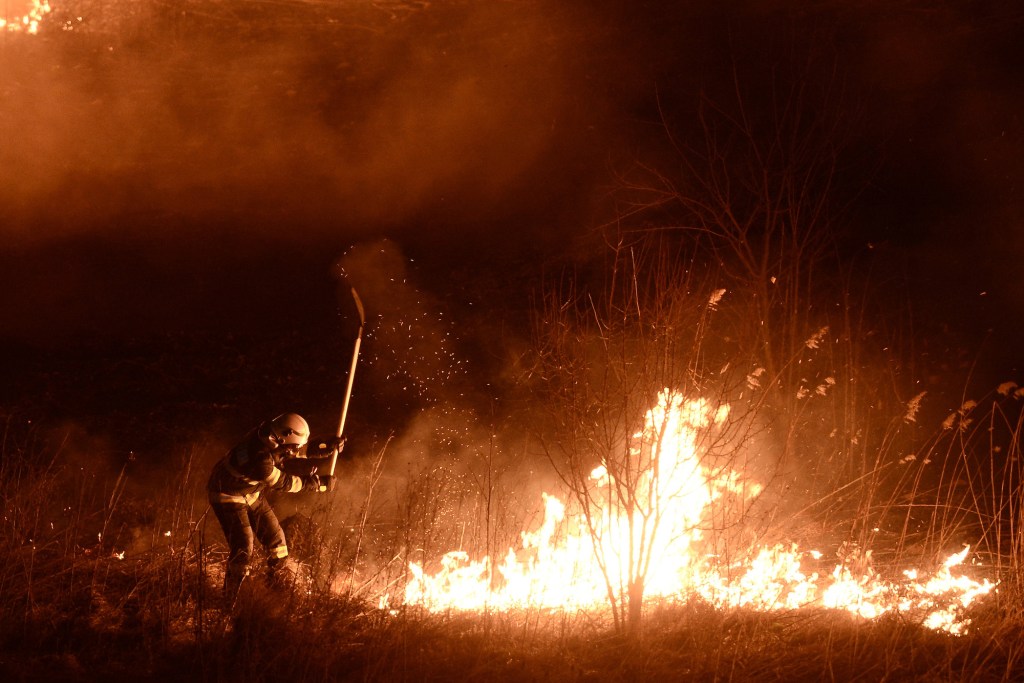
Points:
[(283, 572)]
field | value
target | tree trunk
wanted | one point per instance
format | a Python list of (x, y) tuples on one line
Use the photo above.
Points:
[(636, 603)]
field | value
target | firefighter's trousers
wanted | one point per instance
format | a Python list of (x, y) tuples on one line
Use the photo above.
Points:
[(242, 524)]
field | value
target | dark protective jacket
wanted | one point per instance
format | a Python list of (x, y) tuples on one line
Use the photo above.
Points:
[(248, 469)]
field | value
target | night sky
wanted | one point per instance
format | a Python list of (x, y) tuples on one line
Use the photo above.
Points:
[(203, 175)]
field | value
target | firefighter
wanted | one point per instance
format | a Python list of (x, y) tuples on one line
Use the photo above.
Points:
[(236, 489)]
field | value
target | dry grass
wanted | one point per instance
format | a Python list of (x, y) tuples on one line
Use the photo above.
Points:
[(73, 608)]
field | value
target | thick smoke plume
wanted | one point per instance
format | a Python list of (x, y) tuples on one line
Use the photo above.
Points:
[(178, 156), (153, 144), (362, 124)]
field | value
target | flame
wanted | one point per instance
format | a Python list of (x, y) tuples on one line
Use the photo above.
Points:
[(27, 22), (582, 561)]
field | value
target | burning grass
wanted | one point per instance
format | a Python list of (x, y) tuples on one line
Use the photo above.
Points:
[(112, 585), (582, 561)]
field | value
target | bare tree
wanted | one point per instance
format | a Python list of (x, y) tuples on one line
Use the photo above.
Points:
[(627, 373), (757, 185), (748, 204)]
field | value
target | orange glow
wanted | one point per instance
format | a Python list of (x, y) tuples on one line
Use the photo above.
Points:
[(563, 565), (26, 18)]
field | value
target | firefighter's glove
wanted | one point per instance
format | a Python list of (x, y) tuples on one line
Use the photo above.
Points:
[(328, 447), (336, 445), (318, 483)]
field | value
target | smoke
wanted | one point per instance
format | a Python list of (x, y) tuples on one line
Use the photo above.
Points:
[(330, 127), (170, 161), (231, 127), (438, 417)]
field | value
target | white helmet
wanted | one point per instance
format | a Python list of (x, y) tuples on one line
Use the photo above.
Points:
[(288, 432)]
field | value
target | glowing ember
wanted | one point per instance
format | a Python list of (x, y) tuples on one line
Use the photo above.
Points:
[(583, 561), (25, 19)]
